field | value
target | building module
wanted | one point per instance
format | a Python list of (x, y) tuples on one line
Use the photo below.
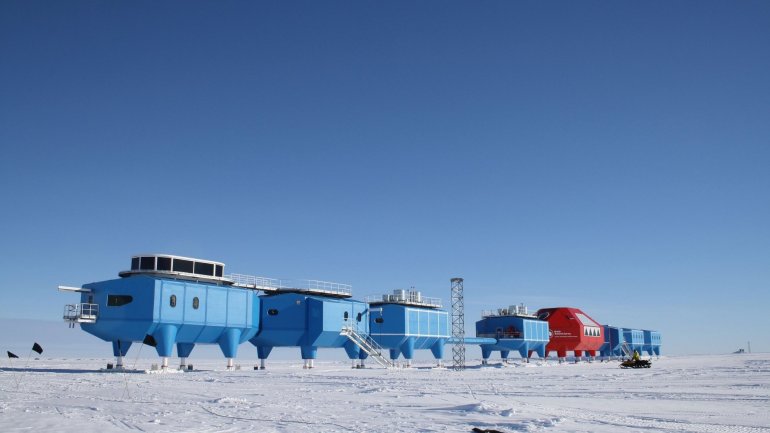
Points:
[(406, 321), (512, 328)]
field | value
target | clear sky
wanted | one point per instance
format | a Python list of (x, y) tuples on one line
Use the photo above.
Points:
[(613, 156)]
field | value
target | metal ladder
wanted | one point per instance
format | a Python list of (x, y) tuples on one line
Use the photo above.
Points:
[(366, 343)]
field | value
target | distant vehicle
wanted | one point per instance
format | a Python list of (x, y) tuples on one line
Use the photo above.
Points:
[(636, 363)]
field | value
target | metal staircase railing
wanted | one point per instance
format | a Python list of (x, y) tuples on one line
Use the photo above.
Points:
[(626, 349), (366, 343)]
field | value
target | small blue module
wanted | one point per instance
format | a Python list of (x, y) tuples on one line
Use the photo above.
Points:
[(407, 321), (308, 321), (651, 342), (618, 341), (514, 329)]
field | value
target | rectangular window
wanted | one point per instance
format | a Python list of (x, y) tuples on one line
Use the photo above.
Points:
[(164, 263), (147, 264), (204, 268), (135, 263), (183, 266), (219, 270), (118, 300)]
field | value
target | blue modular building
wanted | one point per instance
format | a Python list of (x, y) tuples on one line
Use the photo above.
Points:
[(634, 338), (613, 339), (651, 342), (167, 300), (514, 329), (407, 321), (309, 319)]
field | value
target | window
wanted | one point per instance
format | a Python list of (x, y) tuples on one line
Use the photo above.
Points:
[(196, 303), (147, 264), (272, 312), (135, 263), (379, 320), (164, 263), (219, 271), (345, 315), (118, 300), (172, 301), (204, 268), (358, 317), (183, 266)]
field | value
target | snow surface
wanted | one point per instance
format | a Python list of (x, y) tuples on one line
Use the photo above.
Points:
[(711, 393)]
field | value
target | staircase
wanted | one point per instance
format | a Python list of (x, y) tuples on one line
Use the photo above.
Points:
[(367, 344), (626, 349)]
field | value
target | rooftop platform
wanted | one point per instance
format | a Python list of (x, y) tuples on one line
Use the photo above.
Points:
[(275, 285), (403, 297)]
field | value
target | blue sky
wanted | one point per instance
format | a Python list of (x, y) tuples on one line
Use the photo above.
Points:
[(608, 156)]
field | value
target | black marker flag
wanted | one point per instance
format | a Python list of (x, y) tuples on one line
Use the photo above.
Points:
[(12, 355), (36, 347)]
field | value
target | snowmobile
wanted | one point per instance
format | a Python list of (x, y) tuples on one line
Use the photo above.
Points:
[(636, 363)]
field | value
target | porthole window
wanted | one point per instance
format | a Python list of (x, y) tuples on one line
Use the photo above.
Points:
[(196, 303), (172, 301), (345, 315), (379, 320), (358, 317), (272, 312)]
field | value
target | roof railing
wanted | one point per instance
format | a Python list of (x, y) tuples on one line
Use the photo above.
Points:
[(275, 284), (505, 312), (422, 300)]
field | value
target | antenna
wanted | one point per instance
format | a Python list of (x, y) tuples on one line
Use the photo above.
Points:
[(458, 324)]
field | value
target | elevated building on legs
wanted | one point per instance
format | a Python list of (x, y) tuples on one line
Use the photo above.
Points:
[(571, 330), (514, 329), (406, 321)]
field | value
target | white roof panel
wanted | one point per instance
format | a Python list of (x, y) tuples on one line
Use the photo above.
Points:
[(585, 320)]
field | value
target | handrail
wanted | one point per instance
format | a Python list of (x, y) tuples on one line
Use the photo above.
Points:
[(424, 300), (504, 313), (499, 335), (82, 313), (366, 343), (254, 281), (264, 283)]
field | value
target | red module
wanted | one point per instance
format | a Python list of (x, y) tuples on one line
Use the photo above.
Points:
[(571, 331)]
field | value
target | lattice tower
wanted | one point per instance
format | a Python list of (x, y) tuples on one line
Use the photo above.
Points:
[(458, 324)]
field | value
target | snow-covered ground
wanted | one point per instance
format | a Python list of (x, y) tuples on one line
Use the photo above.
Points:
[(725, 393)]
